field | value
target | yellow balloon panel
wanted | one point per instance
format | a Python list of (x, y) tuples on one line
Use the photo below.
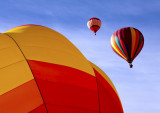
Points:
[(5, 41), (9, 52), (14, 69), (14, 75), (9, 56), (44, 44)]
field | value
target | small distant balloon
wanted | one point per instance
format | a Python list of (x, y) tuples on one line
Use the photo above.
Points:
[(94, 24), (127, 43)]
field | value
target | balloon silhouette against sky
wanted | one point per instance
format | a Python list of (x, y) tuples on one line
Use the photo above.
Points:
[(94, 24), (127, 42)]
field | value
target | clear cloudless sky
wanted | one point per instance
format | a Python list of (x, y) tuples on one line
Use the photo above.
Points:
[(139, 87)]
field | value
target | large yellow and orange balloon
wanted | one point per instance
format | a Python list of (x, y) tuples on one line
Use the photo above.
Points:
[(127, 42), (41, 71)]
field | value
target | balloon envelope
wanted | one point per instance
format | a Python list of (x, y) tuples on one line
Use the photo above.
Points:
[(94, 24), (127, 42), (41, 71)]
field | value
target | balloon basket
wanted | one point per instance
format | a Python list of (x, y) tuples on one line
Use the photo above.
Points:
[(130, 65)]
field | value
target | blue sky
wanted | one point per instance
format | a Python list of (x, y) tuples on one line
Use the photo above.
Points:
[(139, 87)]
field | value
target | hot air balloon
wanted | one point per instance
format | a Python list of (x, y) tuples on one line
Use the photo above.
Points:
[(41, 71), (94, 24), (127, 42)]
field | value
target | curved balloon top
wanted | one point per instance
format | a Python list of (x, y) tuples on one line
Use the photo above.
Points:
[(127, 43), (94, 18), (43, 72), (94, 24)]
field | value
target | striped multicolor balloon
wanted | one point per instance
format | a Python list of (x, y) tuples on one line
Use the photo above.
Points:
[(127, 42), (41, 71), (94, 24)]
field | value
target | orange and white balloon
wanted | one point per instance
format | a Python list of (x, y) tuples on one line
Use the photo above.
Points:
[(94, 24)]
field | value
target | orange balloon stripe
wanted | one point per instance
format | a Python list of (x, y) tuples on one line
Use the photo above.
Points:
[(136, 43), (70, 87), (116, 48), (25, 95), (108, 98), (140, 47), (133, 35)]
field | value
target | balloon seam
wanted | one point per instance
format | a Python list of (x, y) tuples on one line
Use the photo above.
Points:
[(29, 67)]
